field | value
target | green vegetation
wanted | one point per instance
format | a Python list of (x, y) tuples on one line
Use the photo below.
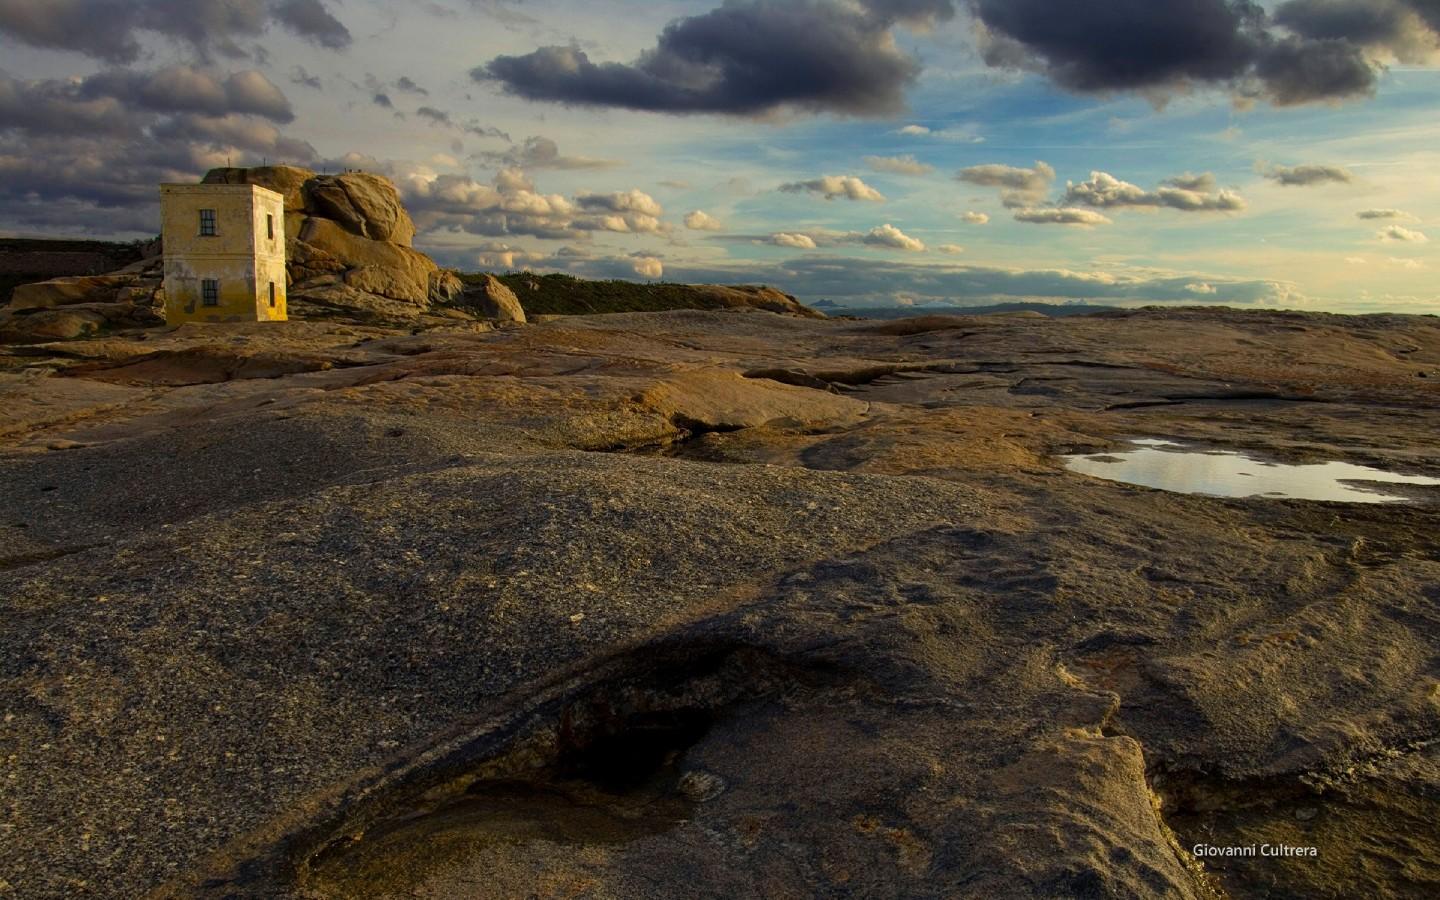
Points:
[(565, 295)]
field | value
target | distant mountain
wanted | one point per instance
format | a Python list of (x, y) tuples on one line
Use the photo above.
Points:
[(1055, 310)]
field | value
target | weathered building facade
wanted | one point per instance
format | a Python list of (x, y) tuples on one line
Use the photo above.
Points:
[(224, 253)]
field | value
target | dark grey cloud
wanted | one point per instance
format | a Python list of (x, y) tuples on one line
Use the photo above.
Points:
[(110, 30), (299, 75), (383, 101), (1383, 214), (239, 132), (188, 89), (1406, 28), (409, 86), (59, 107), (1310, 50), (748, 57), (95, 148), (312, 21), (1308, 175), (435, 116), (1105, 191)]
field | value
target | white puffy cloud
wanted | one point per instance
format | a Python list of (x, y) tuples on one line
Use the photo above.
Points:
[(976, 218), (511, 205), (648, 267), (1054, 215), (792, 240), (888, 235), (1187, 193), (833, 187), (699, 220), (1402, 234)]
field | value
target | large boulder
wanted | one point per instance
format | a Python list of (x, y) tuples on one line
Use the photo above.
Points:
[(378, 267), (365, 204), (492, 299), (65, 309), (287, 181)]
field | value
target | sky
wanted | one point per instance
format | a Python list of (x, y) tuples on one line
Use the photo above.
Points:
[(865, 152)]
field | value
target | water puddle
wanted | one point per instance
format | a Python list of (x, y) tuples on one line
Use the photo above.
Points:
[(1170, 466)]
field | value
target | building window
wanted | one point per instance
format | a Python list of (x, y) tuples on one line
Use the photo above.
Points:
[(270, 227), (207, 223), (272, 295), (210, 292)]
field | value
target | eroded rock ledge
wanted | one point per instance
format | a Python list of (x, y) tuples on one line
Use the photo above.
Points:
[(268, 591)]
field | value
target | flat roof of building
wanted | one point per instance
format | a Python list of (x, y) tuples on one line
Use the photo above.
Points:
[(217, 189)]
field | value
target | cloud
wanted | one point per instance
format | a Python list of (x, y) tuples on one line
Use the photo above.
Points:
[(1310, 51), (408, 85), (1383, 214), (186, 89), (702, 221), (1404, 28), (1105, 191), (1051, 215), (648, 267), (509, 205), (240, 132), (299, 75), (312, 21), (888, 235), (975, 218), (1019, 187), (543, 153), (899, 165), (435, 116), (383, 101), (1399, 233), (1304, 176), (1203, 183), (747, 57), (832, 187), (85, 154), (885, 236), (893, 238), (110, 31), (795, 241), (950, 249), (914, 130), (624, 211), (872, 281)]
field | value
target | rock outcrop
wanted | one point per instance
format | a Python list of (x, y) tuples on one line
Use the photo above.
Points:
[(66, 309), (349, 230), (747, 296), (495, 301)]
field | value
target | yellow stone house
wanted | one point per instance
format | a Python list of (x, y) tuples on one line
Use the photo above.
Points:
[(224, 253)]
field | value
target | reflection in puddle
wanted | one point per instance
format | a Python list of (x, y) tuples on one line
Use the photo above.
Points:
[(1222, 473)]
